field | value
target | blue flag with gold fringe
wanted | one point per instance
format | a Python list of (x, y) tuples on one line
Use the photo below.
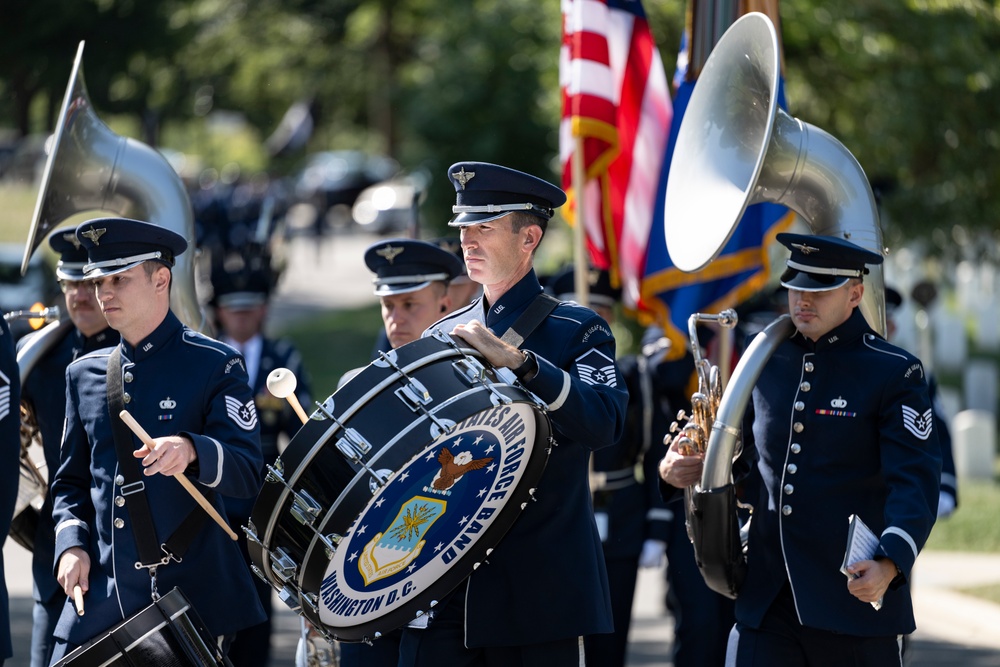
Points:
[(670, 295)]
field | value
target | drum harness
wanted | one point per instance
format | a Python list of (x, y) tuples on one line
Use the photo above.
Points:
[(151, 555)]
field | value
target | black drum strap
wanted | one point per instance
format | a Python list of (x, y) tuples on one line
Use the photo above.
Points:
[(530, 319), (133, 490)]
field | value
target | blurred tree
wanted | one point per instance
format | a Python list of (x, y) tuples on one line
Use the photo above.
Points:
[(909, 87), (129, 55)]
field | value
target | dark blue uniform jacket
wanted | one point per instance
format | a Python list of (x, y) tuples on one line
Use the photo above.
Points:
[(10, 447), (546, 579), (45, 391), (842, 426), (176, 381)]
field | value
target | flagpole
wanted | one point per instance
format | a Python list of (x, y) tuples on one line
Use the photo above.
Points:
[(580, 265)]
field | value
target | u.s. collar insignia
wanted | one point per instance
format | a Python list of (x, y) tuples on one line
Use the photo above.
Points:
[(94, 234), (71, 238), (463, 176), (389, 253), (805, 249)]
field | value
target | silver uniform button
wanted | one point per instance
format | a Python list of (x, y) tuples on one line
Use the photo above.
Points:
[(119, 501), (796, 448), (798, 427), (809, 368), (128, 399), (789, 489), (799, 406), (119, 523), (128, 376), (119, 480), (792, 468), (805, 386), (786, 510)]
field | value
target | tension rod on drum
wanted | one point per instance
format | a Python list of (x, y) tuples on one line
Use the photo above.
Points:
[(479, 374), (353, 445)]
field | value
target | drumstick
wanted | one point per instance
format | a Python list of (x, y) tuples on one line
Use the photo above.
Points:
[(180, 477), (78, 599), (281, 382)]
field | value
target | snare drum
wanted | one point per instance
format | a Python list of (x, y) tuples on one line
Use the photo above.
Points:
[(167, 632), (31, 490), (397, 487)]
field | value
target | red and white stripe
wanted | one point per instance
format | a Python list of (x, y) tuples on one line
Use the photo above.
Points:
[(615, 96)]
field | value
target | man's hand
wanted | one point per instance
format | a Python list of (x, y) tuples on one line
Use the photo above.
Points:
[(870, 579), (497, 352), (73, 569), (171, 455), (681, 470)]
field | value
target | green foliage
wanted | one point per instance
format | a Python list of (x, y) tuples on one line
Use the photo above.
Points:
[(335, 343), (909, 87), (974, 525)]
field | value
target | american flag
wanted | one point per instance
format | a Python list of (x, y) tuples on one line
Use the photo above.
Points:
[(615, 98)]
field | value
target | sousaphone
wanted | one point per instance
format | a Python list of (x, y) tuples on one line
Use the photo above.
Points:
[(90, 168), (736, 147)]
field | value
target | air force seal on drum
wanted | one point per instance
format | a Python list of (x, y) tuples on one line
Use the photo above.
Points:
[(243, 414), (597, 368), (447, 506)]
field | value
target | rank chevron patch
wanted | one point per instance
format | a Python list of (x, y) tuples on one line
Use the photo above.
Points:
[(596, 368), (243, 414), (918, 424)]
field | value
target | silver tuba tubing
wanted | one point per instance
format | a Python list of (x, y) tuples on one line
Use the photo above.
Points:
[(90, 168)]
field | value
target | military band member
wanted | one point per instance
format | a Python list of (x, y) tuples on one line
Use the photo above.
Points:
[(412, 280), (545, 586), (462, 289), (841, 424), (241, 290), (631, 517), (190, 393), (44, 391), (10, 446)]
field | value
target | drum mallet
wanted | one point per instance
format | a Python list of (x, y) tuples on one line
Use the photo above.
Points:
[(78, 599), (180, 477), (281, 382)]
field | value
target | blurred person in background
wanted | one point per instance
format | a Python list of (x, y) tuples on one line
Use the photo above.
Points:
[(242, 284), (411, 283), (44, 392), (631, 518)]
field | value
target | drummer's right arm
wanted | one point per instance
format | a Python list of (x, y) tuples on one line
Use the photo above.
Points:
[(72, 507), (73, 569)]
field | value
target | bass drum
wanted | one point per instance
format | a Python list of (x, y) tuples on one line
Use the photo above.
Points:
[(397, 488)]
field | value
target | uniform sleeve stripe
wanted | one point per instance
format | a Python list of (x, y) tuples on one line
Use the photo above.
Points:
[(563, 393), (221, 455), (892, 530), (72, 523)]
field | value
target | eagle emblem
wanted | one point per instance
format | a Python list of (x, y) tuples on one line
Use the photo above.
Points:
[(94, 234), (463, 176), (805, 249), (70, 237), (453, 467), (389, 252)]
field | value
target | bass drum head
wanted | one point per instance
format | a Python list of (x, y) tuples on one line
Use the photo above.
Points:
[(434, 522)]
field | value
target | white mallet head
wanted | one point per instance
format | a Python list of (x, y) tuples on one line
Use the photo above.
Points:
[(281, 382)]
